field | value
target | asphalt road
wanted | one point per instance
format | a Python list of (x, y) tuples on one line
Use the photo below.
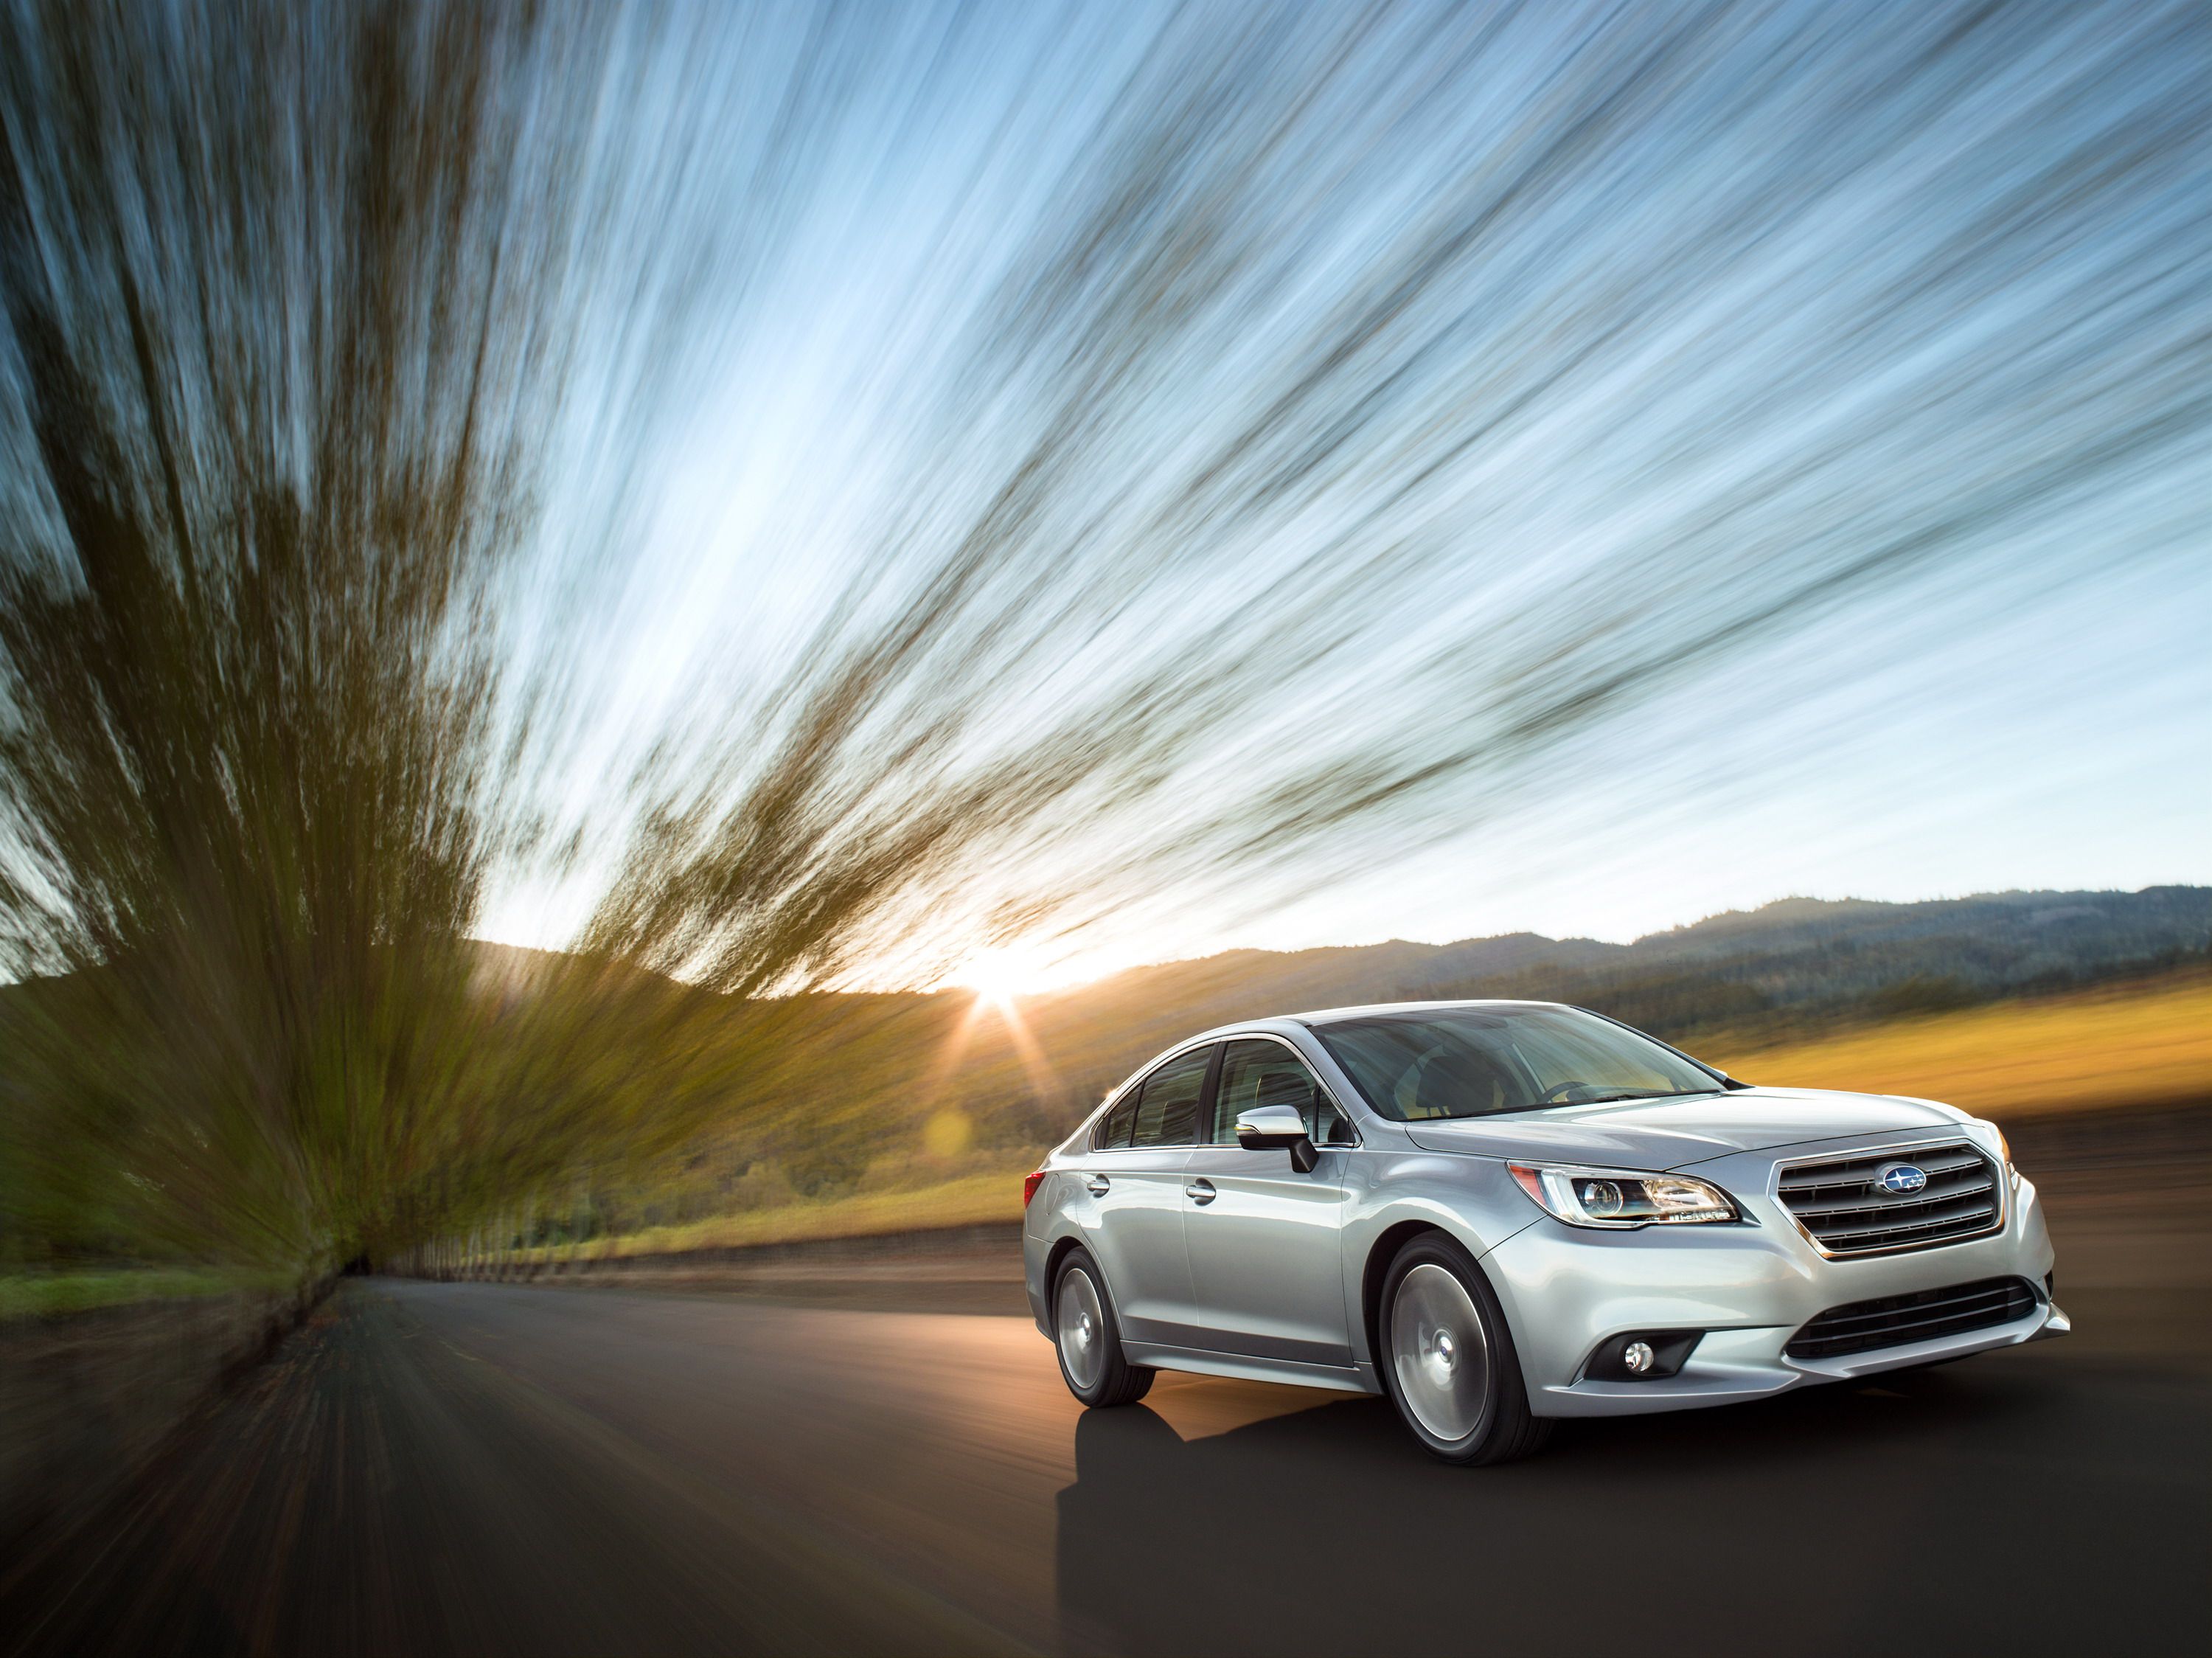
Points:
[(485, 1468)]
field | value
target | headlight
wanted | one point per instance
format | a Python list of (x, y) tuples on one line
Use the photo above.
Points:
[(2004, 1155), (1622, 1198)]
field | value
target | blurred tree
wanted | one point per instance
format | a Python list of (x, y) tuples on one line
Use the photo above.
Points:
[(282, 290)]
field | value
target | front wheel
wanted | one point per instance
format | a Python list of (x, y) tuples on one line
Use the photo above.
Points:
[(1089, 1339), (1448, 1358)]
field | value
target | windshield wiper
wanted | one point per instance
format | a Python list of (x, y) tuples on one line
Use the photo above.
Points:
[(1560, 1105)]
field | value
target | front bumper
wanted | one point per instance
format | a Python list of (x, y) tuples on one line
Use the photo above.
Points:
[(1750, 1288)]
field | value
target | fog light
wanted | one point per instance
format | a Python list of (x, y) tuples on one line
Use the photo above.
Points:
[(1641, 1355)]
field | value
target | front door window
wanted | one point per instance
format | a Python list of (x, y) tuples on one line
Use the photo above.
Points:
[(1255, 1073)]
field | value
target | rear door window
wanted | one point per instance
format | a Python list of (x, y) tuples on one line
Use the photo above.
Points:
[(1167, 1110), (1113, 1131)]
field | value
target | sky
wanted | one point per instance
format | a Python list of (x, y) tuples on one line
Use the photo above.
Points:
[(1681, 457)]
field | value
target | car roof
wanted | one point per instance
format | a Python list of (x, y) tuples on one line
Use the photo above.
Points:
[(1291, 1024), (1371, 1010)]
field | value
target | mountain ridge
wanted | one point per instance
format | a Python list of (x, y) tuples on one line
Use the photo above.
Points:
[(2180, 916)]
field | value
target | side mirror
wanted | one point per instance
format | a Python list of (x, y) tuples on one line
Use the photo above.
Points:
[(1270, 1128)]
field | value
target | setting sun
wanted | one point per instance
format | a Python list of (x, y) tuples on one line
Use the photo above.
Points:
[(999, 975)]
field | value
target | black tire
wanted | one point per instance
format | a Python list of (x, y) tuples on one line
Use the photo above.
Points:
[(1503, 1427), (1106, 1378)]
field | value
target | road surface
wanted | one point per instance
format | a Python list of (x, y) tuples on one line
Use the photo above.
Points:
[(485, 1468)]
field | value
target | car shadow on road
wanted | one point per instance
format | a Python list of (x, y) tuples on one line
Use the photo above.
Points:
[(1326, 1530)]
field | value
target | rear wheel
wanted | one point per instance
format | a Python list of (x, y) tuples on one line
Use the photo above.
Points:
[(1088, 1339), (1448, 1360)]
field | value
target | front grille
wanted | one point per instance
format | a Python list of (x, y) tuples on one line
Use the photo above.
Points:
[(1895, 1319), (1842, 1207)]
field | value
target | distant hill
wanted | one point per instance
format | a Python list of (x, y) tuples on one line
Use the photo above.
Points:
[(1794, 958), (1807, 960)]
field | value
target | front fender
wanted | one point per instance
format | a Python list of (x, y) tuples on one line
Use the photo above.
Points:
[(1401, 1191)]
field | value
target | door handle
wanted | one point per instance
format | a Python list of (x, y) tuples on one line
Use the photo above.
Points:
[(1199, 1191), (1096, 1185)]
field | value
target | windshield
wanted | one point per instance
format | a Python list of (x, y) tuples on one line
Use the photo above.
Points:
[(1478, 1062)]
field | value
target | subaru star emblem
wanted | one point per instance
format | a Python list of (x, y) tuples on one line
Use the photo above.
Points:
[(1901, 1179)]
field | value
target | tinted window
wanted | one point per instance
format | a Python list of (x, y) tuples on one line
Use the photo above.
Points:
[(1255, 1073), (1476, 1061), (1114, 1127), (1167, 1112)]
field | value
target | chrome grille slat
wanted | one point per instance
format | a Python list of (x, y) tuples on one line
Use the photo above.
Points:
[(1943, 1230), (1894, 1320), (1913, 1221), (1857, 1171), (1836, 1201), (1828, 1190), (1984, 1184)]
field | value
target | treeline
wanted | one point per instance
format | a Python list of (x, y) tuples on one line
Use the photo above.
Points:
[(1800, 965)]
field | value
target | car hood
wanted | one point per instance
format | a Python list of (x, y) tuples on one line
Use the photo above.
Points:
[(1670, 1133)]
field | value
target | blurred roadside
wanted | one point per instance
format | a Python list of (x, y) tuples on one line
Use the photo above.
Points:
[(856, 1127), (89, 1395), (2136, 1042), (2122, 1186), (2103, 1094)]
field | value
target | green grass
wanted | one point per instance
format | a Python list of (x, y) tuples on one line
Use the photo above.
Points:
[(39, 1294)]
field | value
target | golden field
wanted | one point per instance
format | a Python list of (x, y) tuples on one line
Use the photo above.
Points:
[(2122, 1046), (971, 1200)]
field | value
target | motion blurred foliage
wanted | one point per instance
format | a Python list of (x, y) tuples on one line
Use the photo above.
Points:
[(346, 347), (285, 292)]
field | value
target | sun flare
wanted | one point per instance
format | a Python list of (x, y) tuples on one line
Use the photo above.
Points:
[(999, 975)]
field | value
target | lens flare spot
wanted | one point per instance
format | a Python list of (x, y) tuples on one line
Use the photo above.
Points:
[(947, 1134)]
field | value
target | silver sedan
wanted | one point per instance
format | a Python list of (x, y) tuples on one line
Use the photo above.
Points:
[(1501, 1213)]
